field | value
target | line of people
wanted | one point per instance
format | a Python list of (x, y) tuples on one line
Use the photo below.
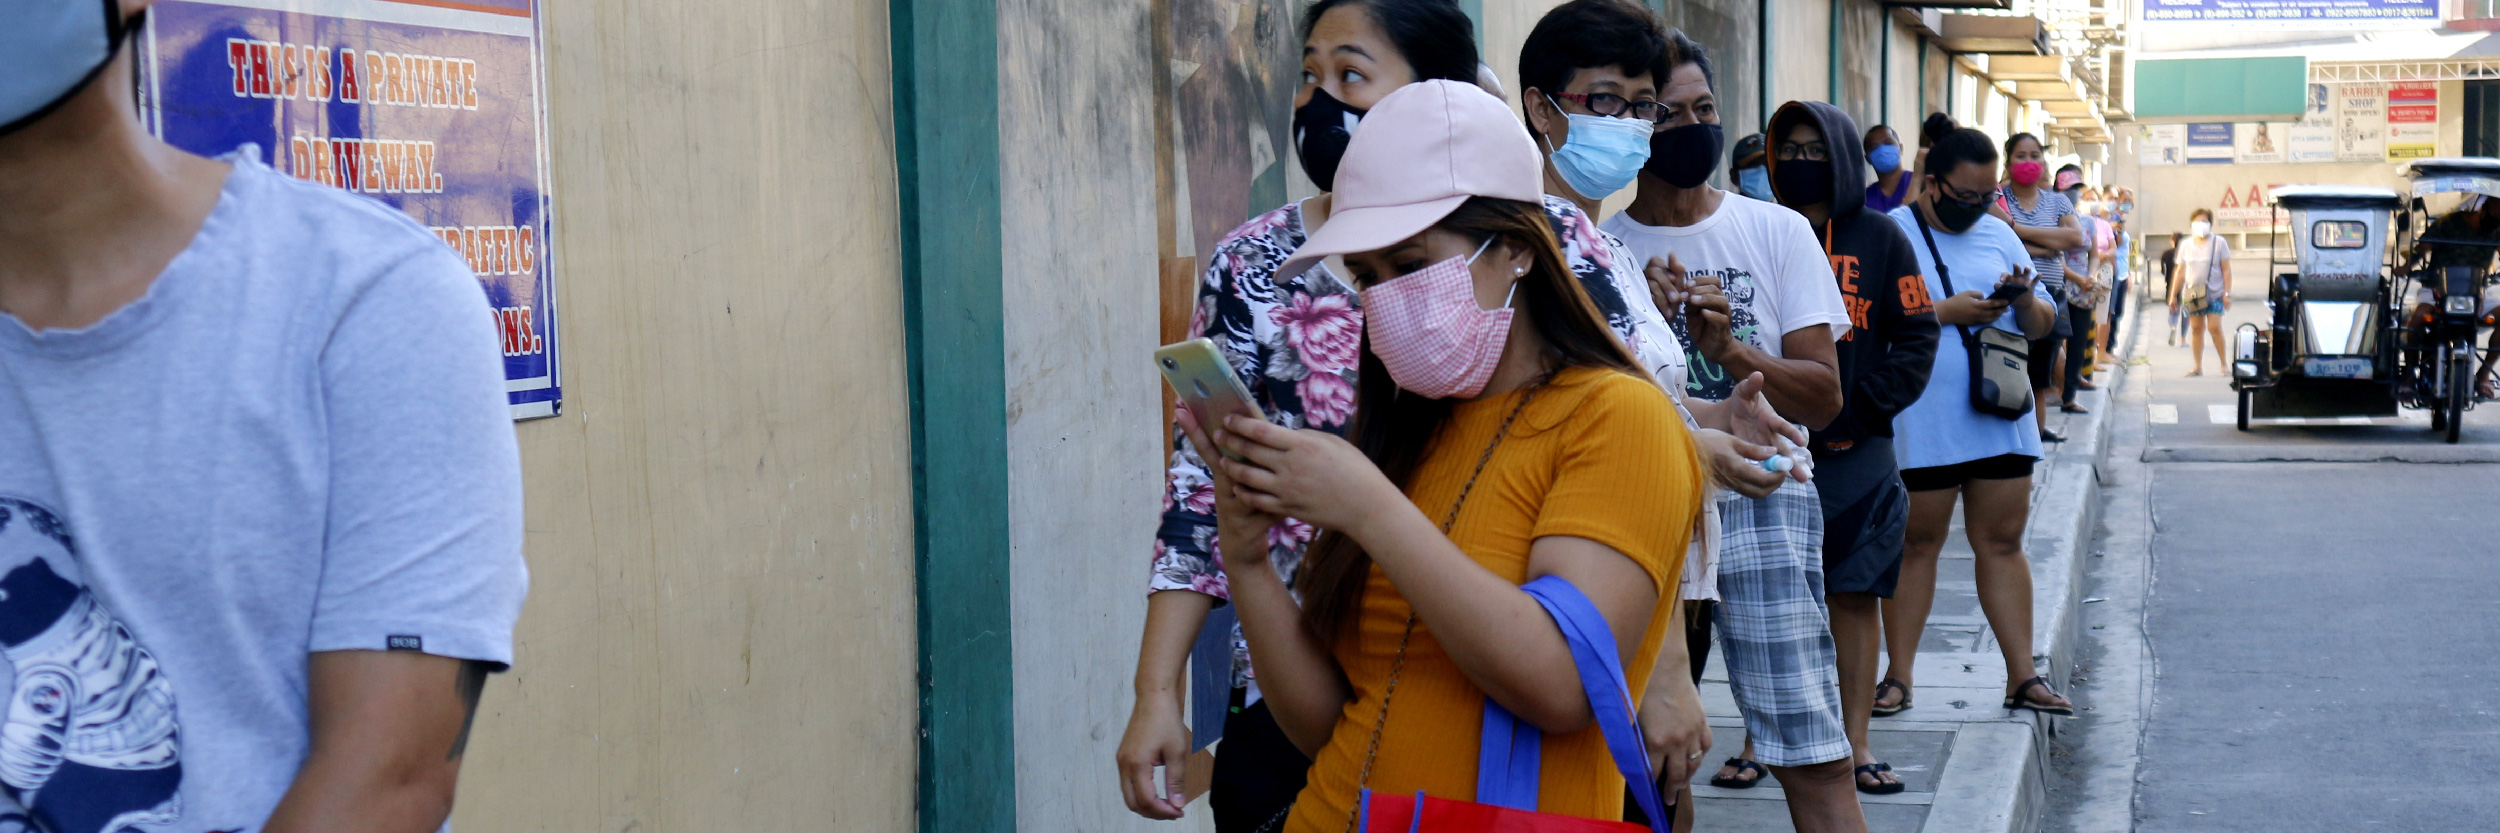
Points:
[(1471, 385)]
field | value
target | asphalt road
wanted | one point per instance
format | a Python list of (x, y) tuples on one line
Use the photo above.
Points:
[(2286, 645)]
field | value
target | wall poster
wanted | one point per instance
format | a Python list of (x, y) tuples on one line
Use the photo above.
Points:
[(2164, 144), (432, 108), (2209, 143), (2360, 122), (2412, 119), (2260, 141), (2313, 137)]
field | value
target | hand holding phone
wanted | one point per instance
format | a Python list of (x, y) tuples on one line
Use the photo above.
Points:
[(2014, 285), (1206, 383)]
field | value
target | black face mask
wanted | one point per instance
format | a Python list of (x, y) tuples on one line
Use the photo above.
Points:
[(1684, 156), (1802, 181), (1955, 215), (1321, 129)]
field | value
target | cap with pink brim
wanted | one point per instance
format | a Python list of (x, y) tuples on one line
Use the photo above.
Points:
[(1422, 151)]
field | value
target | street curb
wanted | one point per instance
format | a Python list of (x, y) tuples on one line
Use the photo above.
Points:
[(1996, 778)]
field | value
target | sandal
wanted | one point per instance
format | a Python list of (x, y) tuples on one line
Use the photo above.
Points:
[(2072, 408), (1740, 782), (2022, 700), (1889, 683), (1880, 787)]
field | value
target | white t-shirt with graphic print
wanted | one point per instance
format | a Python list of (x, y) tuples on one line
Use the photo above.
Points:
[(1777, 279)]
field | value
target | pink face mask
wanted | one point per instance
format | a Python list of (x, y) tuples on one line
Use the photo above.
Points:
[(1431, 335), (2026, 172)]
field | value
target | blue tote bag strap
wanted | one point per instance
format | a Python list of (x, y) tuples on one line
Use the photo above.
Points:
[(1511, 753)]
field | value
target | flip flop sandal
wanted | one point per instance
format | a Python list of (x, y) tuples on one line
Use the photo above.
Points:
[(1880, 787), (1896, 708), (1740, 782), (2022, 700)]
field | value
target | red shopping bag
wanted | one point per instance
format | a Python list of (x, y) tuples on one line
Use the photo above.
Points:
[(1421, 813)]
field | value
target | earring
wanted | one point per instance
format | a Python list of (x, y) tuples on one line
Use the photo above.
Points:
[(1520, 272)]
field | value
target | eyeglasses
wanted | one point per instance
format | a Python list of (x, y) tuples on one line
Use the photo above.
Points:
[(1810, 151), (1958, 195), (1609, 104)]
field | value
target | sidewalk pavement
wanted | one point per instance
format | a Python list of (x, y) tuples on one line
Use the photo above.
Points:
[(1970, 765)]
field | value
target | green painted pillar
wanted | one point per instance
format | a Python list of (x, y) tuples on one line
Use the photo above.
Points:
[(1839, 88), (1762, 63), (946, 163)]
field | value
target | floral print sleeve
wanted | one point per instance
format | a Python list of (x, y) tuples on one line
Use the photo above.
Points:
[(1614, 280), (1294, 343)]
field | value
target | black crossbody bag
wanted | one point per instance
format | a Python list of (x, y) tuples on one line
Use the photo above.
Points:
[(2000, 362)]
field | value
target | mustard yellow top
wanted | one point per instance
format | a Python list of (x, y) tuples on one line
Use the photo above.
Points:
[(1599, 455)]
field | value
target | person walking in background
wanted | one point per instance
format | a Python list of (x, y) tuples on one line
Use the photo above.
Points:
[(1951, 452), (1892, 181), (2169, 286), (1780, 317), (2202, 288), (260, 497), (2045, 221), (1884, 362), (1520, 443)]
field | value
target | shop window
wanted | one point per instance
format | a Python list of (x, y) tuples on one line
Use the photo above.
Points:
[(2339, 234), (2482, 115)]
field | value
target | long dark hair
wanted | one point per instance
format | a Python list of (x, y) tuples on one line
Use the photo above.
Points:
[(1397, 431), (1434, 36)]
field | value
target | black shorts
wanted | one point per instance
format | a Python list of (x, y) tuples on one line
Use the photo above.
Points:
[(2043, 364), (1258, 772), (1939, 478), (1865, 513)]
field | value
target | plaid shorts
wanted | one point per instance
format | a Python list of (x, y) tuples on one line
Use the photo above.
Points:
[(1774, 630)]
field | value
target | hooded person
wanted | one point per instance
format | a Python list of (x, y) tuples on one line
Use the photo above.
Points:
[(1818, 169)]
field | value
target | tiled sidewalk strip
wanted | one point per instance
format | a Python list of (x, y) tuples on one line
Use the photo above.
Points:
[(1971, 766)]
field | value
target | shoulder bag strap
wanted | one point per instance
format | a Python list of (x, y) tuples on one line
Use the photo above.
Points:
[(1593, 653)]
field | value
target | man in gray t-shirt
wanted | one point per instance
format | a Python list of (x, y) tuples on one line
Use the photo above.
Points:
[(260, 519)]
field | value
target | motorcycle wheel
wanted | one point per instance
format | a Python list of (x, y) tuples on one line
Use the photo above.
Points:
[(2460, 391)]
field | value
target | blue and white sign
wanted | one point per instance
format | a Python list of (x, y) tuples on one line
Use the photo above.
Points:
[(2209, 143), (2296, 14), (431, 107)]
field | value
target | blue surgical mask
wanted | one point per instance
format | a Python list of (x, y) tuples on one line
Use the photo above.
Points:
[(1886, 158), (1602, 155), (1755, 182), (55, 48)]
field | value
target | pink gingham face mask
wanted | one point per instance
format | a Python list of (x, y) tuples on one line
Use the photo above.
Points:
[(1429, 333)]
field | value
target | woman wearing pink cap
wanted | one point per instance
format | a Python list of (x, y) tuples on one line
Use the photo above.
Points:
[(1503, 434)]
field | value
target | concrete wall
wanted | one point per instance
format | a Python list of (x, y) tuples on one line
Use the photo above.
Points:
[(1903, 113), (1801, 52), (719, 632), (1084, 414), (1862, 64)]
